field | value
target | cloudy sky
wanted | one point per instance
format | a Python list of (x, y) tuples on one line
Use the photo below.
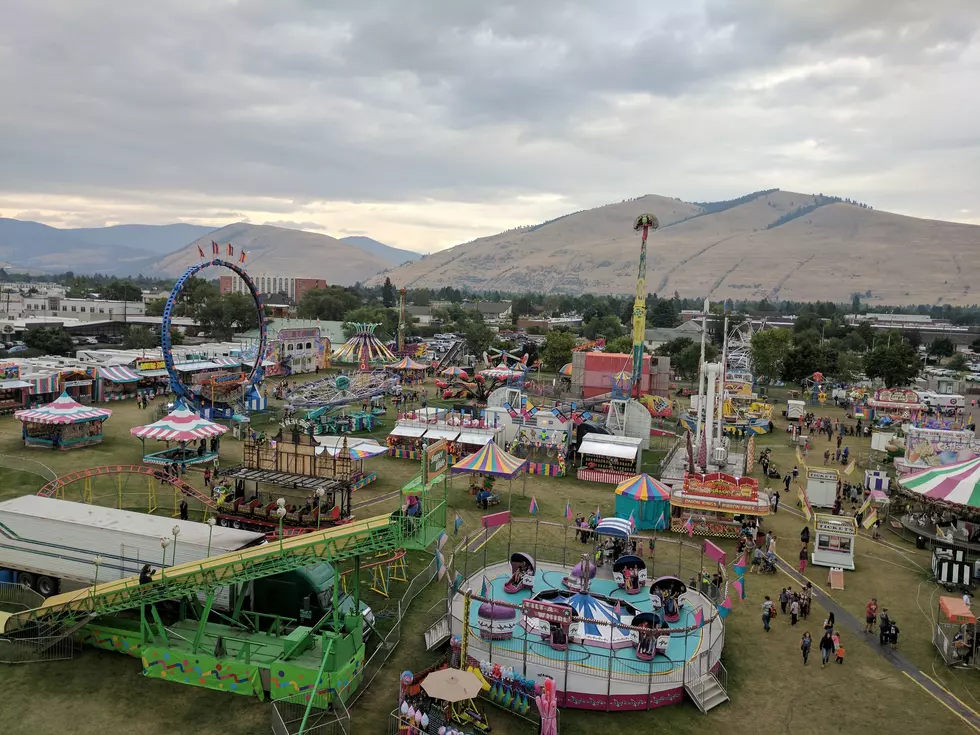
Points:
[(425, 124)]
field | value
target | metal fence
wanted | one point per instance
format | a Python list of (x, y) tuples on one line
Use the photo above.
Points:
[(288, 716), (22, 650), (21, 464), (19, 596)]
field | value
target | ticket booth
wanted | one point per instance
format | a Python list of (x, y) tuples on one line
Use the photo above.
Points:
[(834, 541), (821, 486)]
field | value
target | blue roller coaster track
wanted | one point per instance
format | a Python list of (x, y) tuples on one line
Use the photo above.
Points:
[(255, 374)]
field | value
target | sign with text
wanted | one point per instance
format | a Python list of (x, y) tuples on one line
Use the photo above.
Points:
[(9, 371), (812, 473), (720, 484), (435, 461), (146, 364), (548, 612)]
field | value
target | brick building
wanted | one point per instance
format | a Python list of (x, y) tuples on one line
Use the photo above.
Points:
[(269, 284)]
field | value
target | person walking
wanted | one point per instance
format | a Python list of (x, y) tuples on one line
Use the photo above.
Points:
[(806, 643), (775, 502), (767, 608), (803, 555), (783, 600), (794, 610), (826, 456), (870, 615), (826, 648), (838, 649)]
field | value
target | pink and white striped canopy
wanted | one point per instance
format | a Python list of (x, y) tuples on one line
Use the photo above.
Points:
[(958, 484), (180, 425), (62, 410)]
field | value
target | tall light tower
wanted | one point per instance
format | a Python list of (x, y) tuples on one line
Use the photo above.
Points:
[(644, 223)]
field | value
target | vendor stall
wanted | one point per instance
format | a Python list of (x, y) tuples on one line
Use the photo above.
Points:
[(545, 448), (195, 437), (44, 388), (491, 462), (607, 458), (955, 633), (358, 449), (62, 424), (715, 504), (821, 486), (14, 392), (834, 545), (645, 500), (899, 405), (115, 383), (405, 441), (473, 438)]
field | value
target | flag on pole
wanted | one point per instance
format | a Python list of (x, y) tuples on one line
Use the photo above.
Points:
[(689, 526), (850, 467), (200, 251), (457, 582), (457, 523), (805, 504), (484, 588), (725, 607), (241, 257), (698, 617), (443, 538), (870, 519), (661, 521), (440, 565), (598, 515), (739, 566), (215, 248), (632, 522), (231, 249), (739, 585), (533, 508), (864, 506), (568, 511)]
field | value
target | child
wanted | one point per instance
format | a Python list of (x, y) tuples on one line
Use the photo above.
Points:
[(839, 649), (805, 644)]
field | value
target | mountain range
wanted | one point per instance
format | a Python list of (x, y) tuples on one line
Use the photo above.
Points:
[(768, 244), (168, 249)]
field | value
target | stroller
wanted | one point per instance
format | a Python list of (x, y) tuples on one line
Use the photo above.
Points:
[(768, 564)]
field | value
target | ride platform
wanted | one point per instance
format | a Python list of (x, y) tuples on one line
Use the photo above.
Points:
[(180, 456)]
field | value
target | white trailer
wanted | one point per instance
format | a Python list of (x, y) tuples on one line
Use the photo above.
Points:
[(51, 545), (795, 409), (821, 486)]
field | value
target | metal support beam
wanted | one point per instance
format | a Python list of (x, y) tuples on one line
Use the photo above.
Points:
[(205, 613)]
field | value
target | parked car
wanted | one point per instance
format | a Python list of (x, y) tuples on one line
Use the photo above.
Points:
[(90, 341), (17, 348)]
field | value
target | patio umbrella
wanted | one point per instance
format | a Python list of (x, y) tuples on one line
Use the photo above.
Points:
[(452, 685), (455, 372), (643, 487), (566, 370)]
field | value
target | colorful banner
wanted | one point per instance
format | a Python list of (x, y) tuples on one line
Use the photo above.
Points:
[(804, 503), (435, 461), (143, 363), (871, 518), (492, 520), (713, 552), (9, 371)]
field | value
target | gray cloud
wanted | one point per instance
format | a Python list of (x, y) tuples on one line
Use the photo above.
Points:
[(196, 110)]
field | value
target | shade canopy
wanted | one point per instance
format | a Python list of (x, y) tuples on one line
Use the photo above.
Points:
[(180, 425), (118, 374), (62, 410), (615, 527), (455, 372), (407, 363), (643, 487), (566, 370), (452, 685), (364, 450), (491, 460), (956, 610), (956, 484)]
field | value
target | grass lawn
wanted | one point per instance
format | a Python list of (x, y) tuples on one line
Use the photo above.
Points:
[(98, 692)]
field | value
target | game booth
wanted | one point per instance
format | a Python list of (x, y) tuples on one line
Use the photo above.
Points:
[(607, 458), (196, 438), (955, 633), (834, 544), (410, 371), (474, 437), (359, 450), (715, 504), (545, 448), (405, 441), (14, 392), (645, 500), (926, 448), (62, 424), (115, 383)]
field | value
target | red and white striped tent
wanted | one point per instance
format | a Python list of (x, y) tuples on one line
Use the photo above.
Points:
[(180, 425), (62, 410)]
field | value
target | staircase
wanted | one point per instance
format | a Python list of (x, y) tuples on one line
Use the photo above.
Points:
[(452, 354), (437, 634), (42, 643), (706, 693)]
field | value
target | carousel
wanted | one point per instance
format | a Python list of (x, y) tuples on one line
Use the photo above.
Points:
[(62, 424), (942, 506), (195, 437)]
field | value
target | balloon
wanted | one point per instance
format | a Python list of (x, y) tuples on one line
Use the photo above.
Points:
[(404, 709), (425, 721)]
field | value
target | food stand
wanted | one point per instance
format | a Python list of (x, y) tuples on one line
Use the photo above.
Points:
[(714, 504), (607, 458), (13, 390), (897, 404), (834, 545), (405, 441), (115, 383)]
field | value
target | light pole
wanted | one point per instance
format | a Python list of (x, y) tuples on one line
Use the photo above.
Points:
[(210, 529), (176, 532), (164, 543), (97, 562), (319, 499), (281, 512)]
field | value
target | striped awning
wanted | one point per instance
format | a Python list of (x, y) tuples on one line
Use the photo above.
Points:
[(615, 527), (118, 374), (180, 425), (47, 384), (227, 361), (62, 410), (491, 460)]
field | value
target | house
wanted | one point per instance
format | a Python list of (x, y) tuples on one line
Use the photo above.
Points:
[(493, 312), (420, 314), (654, 338)]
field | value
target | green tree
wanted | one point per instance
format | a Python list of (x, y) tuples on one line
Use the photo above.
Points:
[(479, 338), (619, 345), (221, 316), (139, 337), (850, 365), (975, 345), (664, 315), (897, 363), (155, 307), (51, 341), (958, 363), (801, 361), (769, 349), (607, 326), (676, 346), (942, 347), (121, 290), (330, 304), (388, 293), (557, 349)]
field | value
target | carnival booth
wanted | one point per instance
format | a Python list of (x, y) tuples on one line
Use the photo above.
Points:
[(115, 383), (14, 392), (645, 500), (821, 486), (474, 437), (955, 633), (876, 480), (926, 448), (62, 424), (607, 458), (715, 504), (196, 438), (405, 440), (948, 501), (154, 378), (834, 546), (545, 448), (492, 462), (898, 404)]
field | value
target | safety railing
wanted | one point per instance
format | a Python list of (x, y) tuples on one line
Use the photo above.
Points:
[(22, 597), (22, 650), (289, 717)]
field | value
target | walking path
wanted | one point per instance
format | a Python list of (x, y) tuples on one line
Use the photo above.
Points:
[(844, 618)]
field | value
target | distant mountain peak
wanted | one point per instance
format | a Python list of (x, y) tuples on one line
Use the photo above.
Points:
[(394, 256)]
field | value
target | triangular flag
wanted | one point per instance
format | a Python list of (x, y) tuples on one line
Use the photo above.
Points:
[(598, 515), (200, 251), (533, 508), (699, 617), (458, 582), (632, 522), (617, 611), (689, 526), (443, 538), (850, 467), (457, 523), (568, 511), (661, 521), (739, 585), (740, 566), (483, 588), (440, 565), (864, 506), (241, 257), (725, 608)]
